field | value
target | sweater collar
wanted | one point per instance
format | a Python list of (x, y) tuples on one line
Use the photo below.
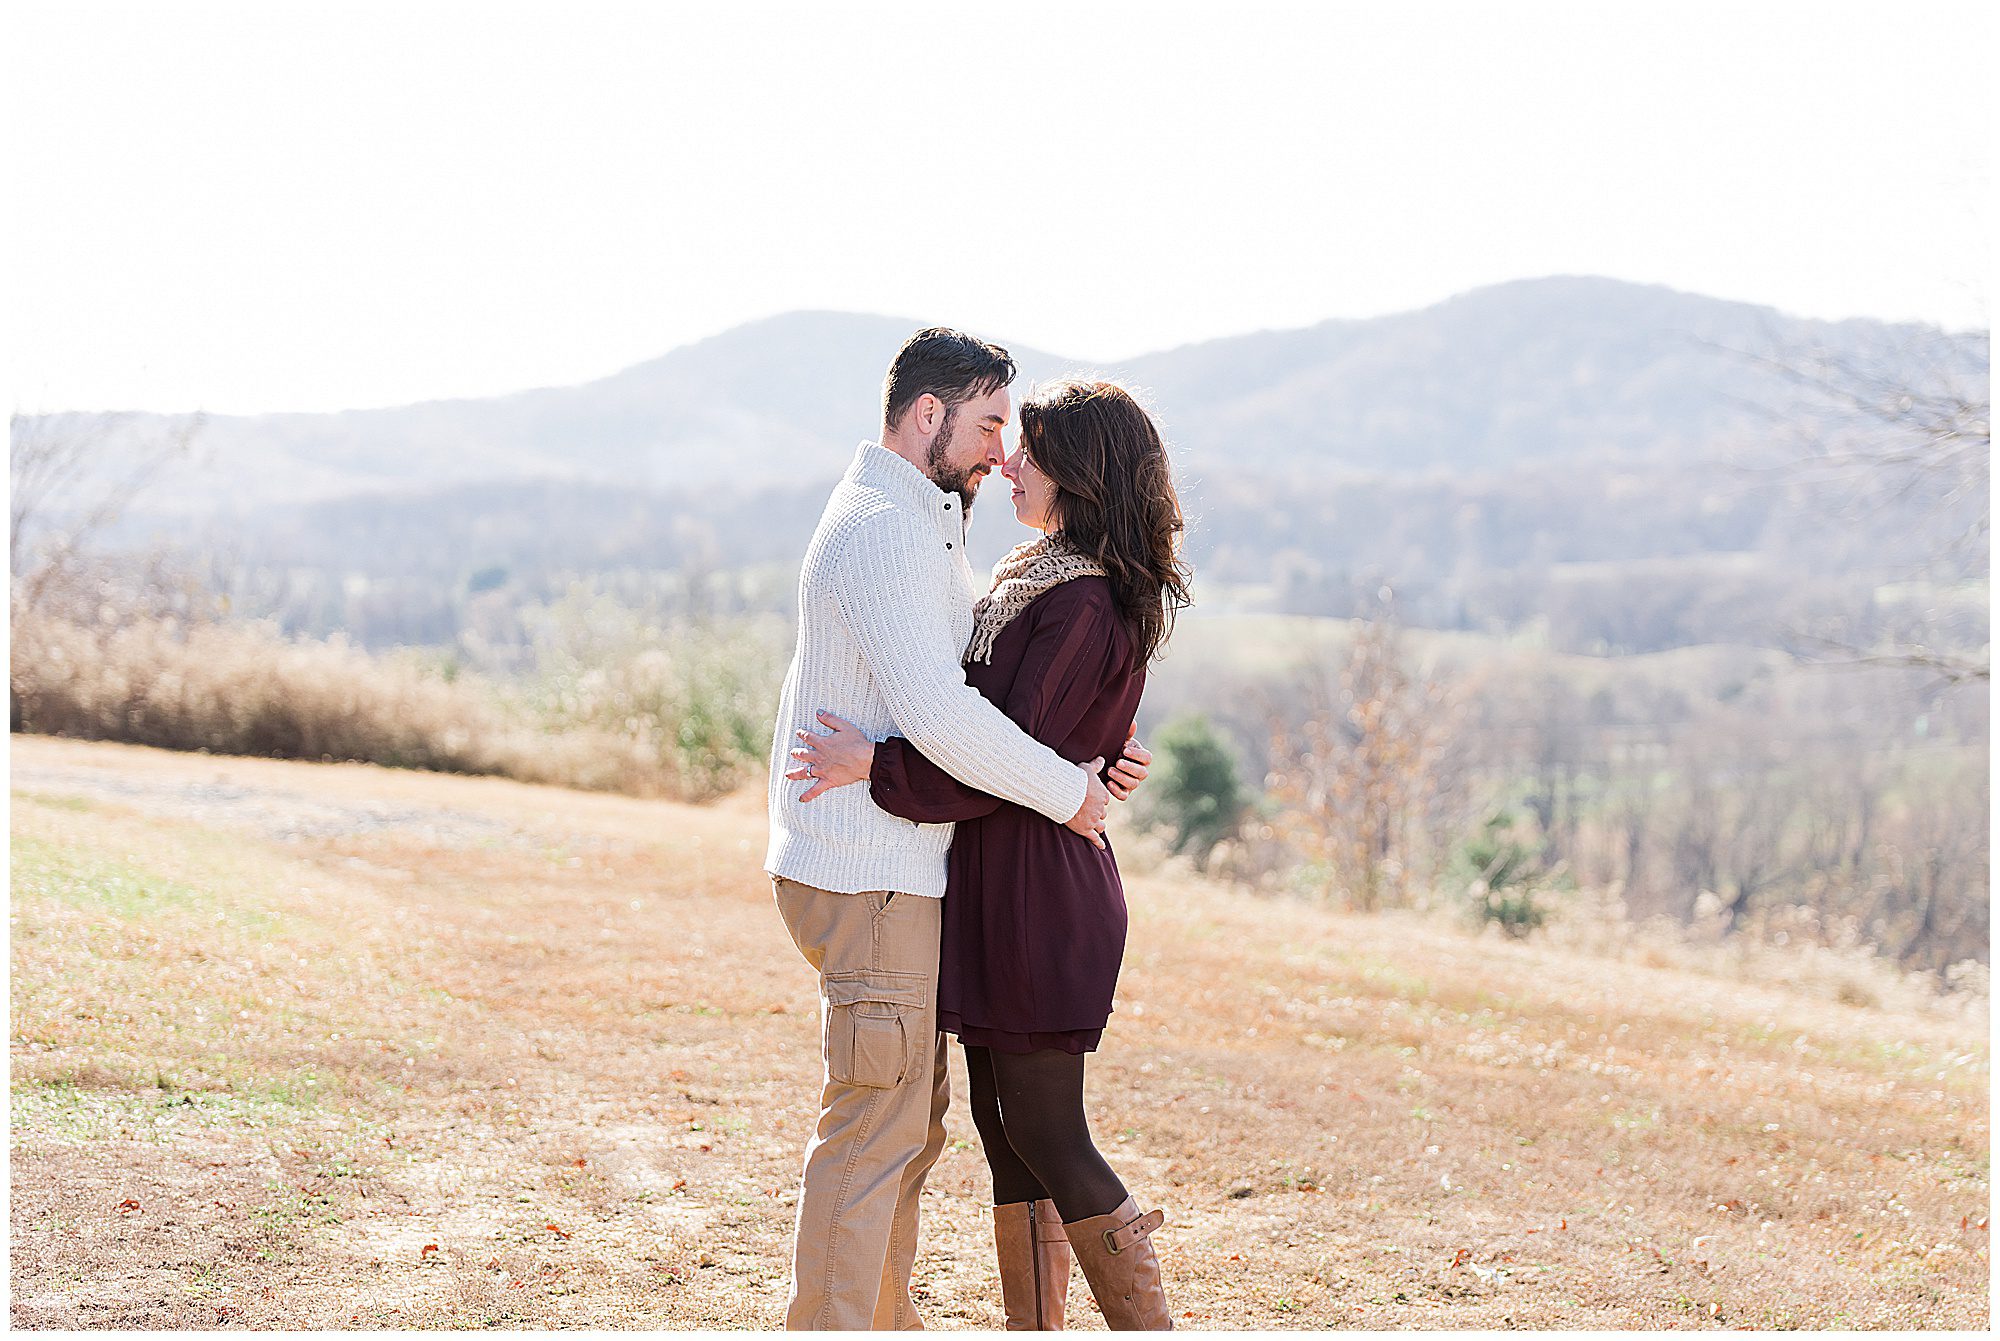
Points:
[(880, 468)]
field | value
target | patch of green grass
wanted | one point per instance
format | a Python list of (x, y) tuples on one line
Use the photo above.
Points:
[(304, 1088), (78, 878), (112, 1067), (71, 803), (1407, 986), (61, 1111), (280, 1227), (301, 1208), (1974, 1166), (206, 1279), (1767, 1034), (341, 1166), (1901, 1051)]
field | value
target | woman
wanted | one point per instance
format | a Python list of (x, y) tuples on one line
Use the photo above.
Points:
[(1034, 915)]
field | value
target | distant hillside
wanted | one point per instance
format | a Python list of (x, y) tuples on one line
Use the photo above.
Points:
[(1537, 370), (765, 403), (1577, 455)]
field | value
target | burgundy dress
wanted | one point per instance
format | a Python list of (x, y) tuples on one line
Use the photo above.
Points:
[(1034, 914)]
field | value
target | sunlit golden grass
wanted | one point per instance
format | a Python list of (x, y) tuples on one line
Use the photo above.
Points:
[(331, 1045), (644, 724)]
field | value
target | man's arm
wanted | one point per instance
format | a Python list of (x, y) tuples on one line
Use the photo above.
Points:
[(1072, 651), (905, 783), (904, 633)]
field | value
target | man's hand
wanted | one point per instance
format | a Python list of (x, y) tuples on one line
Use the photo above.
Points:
[(1089, 818), (1131, 770)]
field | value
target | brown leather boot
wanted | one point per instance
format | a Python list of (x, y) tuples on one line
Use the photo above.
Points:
[(1116, 1254), (1034, 1265)]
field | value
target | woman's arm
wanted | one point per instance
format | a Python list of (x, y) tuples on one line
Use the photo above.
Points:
[(842, 754), (901, 780)]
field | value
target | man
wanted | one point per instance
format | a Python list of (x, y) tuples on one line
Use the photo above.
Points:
[(885, 610)]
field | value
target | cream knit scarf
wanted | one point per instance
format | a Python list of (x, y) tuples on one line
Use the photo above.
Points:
[(1029, 569)]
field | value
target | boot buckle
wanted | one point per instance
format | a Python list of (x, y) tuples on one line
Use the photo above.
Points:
[(1117, 1240)]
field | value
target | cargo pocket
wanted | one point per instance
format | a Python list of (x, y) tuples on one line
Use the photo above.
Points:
[(873, 1019)]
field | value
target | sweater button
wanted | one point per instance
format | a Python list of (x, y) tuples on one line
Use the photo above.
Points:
[(947, 544)]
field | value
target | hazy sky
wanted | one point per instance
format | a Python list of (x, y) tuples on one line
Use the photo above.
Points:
[(286, 206)]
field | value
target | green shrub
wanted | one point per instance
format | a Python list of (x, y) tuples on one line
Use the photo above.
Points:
[(1507, 878), (1194, 792), (700, 696)]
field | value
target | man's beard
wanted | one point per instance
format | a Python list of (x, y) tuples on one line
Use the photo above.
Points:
[(960, 480)]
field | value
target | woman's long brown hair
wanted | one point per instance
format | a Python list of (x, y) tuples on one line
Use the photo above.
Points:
[(1115, 498)]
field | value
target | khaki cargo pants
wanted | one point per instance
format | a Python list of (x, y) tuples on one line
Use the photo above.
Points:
[(882, 1101)]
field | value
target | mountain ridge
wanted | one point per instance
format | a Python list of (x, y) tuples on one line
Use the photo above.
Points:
[(1534, 369)]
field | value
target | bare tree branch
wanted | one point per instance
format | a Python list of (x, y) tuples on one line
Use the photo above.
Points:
[(68, 459), (1915, 428)]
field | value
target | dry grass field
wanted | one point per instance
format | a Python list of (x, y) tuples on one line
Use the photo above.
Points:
[(328, 1046)]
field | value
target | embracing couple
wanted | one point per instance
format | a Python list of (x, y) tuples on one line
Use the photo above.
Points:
[(968, 887)]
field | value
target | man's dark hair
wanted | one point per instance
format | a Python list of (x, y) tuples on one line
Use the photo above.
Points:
[(948, 364)]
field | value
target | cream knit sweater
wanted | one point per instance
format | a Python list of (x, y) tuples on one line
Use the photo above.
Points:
[(885, 609)]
